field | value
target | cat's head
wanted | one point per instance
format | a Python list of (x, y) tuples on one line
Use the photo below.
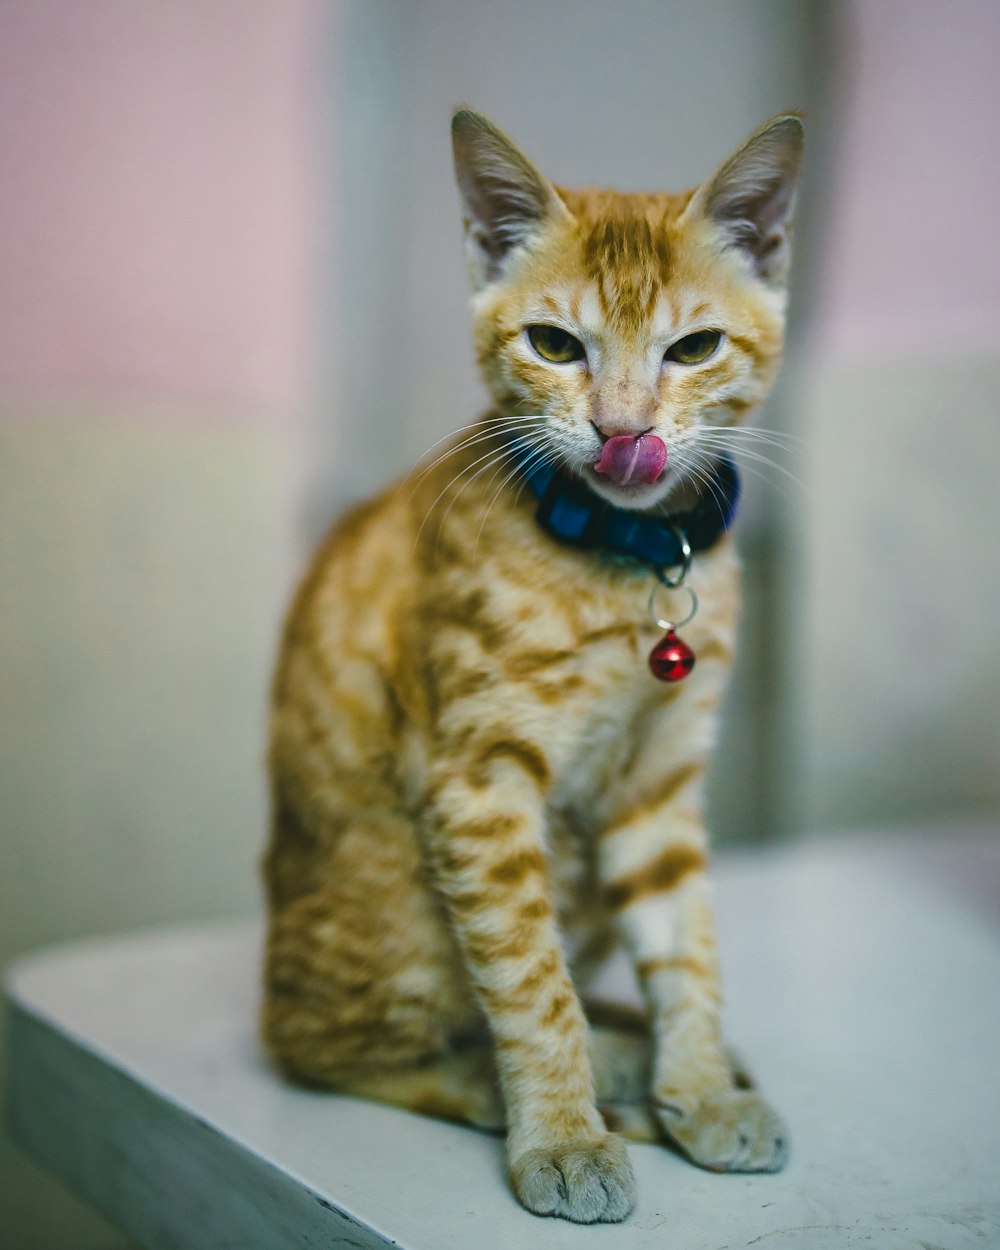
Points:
[(625, 327)]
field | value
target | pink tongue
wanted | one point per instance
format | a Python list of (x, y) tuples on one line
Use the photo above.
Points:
[(627, 459)]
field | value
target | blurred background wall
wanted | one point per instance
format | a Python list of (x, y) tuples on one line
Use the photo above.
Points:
[(893, 670), (232, 300), (160, 176)]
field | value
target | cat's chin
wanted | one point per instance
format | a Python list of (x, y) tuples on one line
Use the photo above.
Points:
[(636, 496)]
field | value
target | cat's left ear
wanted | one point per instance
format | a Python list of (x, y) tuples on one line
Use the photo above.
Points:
[(505, 200), (751, 196)]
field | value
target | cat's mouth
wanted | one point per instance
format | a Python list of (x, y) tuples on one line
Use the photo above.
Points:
[(632, 460)]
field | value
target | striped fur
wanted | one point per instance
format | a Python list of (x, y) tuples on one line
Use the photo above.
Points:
[(477, 785)]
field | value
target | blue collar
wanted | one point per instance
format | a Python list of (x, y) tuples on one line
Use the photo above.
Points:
[(573, 514)]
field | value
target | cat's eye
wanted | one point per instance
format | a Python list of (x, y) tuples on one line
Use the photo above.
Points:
[(692, 349), (555, 345)]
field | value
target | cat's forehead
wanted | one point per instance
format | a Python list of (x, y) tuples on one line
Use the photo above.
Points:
[(596, 206), (627, 269)]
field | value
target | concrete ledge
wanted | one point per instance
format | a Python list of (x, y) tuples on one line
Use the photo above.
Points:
[(863, 979)]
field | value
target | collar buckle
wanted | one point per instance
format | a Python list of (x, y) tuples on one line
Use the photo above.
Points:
[(683, 564)]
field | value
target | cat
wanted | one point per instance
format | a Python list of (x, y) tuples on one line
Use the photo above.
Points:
[(478, 785)]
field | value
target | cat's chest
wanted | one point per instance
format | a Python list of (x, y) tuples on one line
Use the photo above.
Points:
[(598, 747), (600, 741), (573, 662), (599, 704), (591, 708)]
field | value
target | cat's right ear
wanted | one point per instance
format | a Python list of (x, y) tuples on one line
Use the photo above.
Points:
[(505, 200), (751, 197)]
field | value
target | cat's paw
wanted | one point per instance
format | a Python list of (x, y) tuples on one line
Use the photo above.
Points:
[(587, 1181), (725, 1130)]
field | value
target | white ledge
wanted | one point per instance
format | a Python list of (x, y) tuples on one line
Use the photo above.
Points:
[(863, 986)]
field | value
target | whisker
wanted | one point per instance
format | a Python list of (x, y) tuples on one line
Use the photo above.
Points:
[(706, 474), (551, 444), (720, 438), (748, 462), (541, 449), (746, 456), (536, 457), (781, 487), (482, 437), (497, 426), (755, 431), (491, 456), (472, 425)]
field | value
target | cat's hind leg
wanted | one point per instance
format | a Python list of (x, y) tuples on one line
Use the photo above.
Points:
[(621, 1054), (461, 1085), (364, 990), (344, 1023)]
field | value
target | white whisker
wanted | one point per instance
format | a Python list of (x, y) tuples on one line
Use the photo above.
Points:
[(497, 426), (492, 456), (719, 438), (710, 439), (756, 431), (705, 473), (472, 425), (537, 455), (493, 459), (746, 457)]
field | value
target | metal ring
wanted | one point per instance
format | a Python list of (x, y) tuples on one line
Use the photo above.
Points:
[(685, 561), (668, 625)]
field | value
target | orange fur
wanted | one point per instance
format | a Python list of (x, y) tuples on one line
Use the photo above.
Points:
[(469, 757)]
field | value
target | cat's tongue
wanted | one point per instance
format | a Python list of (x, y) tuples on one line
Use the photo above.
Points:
[(626, 458)]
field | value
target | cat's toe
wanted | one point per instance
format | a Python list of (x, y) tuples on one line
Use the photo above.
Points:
[(729, 1130), (588, 1182)]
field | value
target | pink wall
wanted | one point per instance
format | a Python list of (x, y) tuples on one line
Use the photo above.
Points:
[(914, 259), (158, 181)]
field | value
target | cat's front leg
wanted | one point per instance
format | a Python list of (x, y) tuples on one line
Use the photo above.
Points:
[(486, 848), (653, 862)]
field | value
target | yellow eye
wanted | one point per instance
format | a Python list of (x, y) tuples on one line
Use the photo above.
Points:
[(554, 344), (692, 349)]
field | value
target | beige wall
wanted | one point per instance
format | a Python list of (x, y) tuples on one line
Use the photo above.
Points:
[(893, 672), (157, 249), (156, 213), (895, 666), (145, 553)]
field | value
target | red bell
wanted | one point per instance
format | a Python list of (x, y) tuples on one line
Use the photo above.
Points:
[(671, 659)]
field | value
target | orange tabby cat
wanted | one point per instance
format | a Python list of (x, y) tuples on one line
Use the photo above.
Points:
[(478, 784)]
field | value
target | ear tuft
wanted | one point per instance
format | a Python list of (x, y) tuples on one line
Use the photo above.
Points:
[(752, 196), (505, 199)]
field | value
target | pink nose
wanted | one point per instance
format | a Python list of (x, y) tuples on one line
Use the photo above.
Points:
[(633, 458)]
